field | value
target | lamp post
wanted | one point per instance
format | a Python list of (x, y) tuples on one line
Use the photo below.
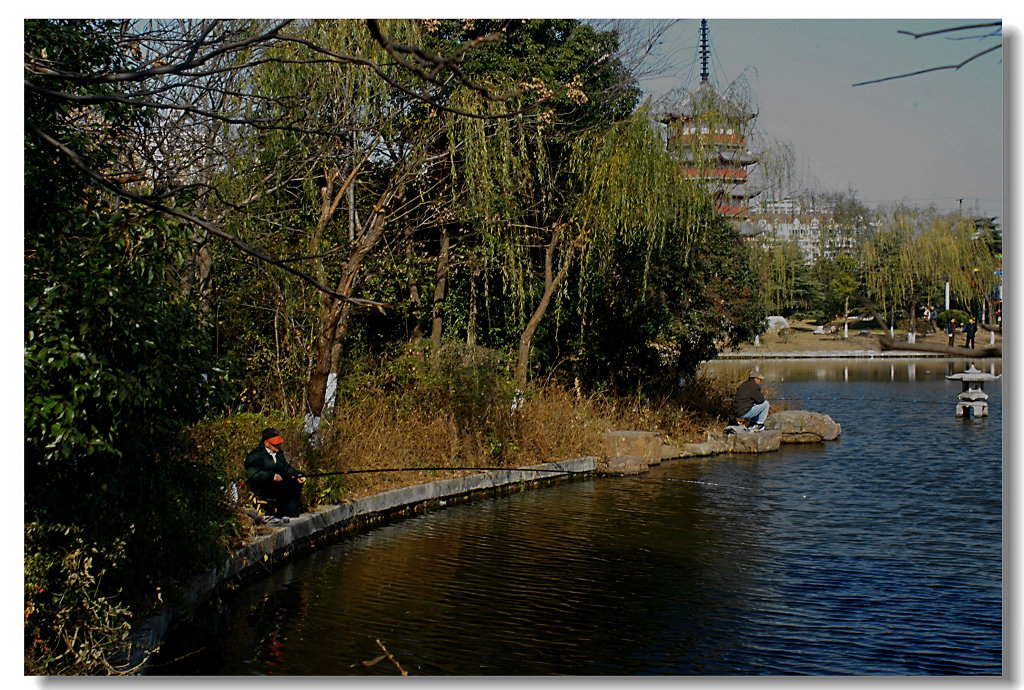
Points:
[(991, 315), (946, 278)]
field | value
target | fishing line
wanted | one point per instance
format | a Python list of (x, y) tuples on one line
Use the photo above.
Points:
[(691, 481)]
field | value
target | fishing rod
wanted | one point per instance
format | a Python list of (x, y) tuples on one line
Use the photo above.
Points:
[(522, 469), (440, 469)]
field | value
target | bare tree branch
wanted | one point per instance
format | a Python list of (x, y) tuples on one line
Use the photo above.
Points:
[(204, 224), (191, 61), (413, 93), (947, 30), (436, 63), (932, 69), (950, 29)]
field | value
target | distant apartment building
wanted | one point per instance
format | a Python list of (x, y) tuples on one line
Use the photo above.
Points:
[(814, 230)]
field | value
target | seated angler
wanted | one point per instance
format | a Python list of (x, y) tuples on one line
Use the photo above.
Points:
[(749, 405), (271, 477)]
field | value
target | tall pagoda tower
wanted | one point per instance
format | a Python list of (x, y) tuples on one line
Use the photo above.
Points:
[(707, 132)]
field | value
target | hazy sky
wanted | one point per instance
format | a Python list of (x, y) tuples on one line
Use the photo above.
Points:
[(936, 137)]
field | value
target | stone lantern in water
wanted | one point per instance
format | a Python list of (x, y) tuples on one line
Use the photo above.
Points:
[(972, 401)]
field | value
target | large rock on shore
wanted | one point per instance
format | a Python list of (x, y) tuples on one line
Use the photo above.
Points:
[(800, 426), (629, 452), (753, 442), (638, 444)]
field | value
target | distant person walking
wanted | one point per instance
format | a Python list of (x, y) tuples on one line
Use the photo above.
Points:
[(749, 404), (928, 325), (970, 330), (951, 331)]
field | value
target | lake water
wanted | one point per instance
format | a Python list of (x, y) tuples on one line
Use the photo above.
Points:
[(878, 553)]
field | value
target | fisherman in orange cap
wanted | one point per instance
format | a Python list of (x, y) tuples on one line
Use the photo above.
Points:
[(271, 477)]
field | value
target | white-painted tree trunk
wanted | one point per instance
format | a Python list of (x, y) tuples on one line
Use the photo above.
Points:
[(312, 423)]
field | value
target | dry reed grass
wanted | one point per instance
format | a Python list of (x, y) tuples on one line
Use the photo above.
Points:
[(376, 433)]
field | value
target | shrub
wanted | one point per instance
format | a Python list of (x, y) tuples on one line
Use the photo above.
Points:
[(70, 627), (708, 397), (470, 384), (223, 443), (961, 317)]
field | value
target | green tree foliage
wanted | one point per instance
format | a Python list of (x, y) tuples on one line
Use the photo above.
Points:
[(838, 281), (523, 181), (117, 361), (787, 281), (649, 319)]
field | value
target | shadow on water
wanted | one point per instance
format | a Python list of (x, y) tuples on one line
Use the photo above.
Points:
[(879, 553)]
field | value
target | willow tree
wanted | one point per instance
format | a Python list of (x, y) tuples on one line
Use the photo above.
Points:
[(915, 253), (627, 194), (952, 247), (880, 263), (505, 172), (289, 191), (357, 161), (653, 305), (516, 181), (786, 281), (622, 198)]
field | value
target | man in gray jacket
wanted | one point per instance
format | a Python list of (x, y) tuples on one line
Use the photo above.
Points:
[(750, 406)]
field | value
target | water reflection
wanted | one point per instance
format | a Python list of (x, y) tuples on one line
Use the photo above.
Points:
[(836, 369)]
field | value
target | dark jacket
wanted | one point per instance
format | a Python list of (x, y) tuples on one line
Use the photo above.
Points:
[(747, 395), (260, 467)]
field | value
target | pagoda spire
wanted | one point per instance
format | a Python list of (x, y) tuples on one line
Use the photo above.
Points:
[(704, 51)]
